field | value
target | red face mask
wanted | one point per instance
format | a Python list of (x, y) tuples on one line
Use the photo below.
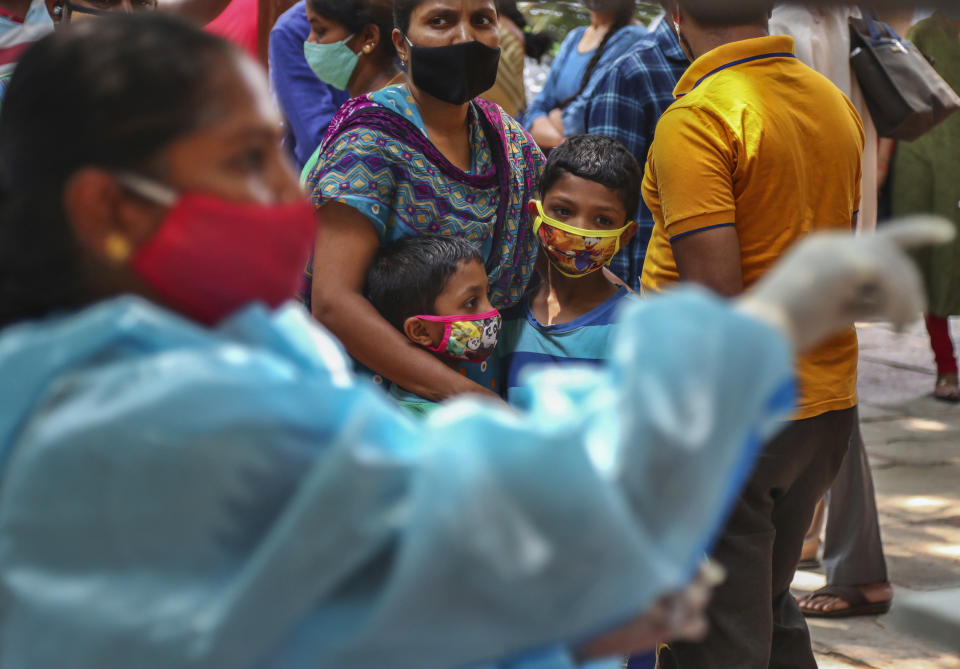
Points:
[(211, 257)]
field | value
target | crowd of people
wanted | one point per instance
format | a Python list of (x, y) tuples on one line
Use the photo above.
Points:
[(490, 380)]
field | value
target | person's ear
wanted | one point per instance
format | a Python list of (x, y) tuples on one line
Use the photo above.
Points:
[(403, 49), (629, 234), (417, 332), (107, 221), (369, 38)]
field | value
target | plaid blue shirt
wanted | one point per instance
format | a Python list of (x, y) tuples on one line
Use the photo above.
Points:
[(626, 105)]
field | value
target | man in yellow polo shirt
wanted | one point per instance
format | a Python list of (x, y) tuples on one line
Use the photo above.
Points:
[(757, 151)]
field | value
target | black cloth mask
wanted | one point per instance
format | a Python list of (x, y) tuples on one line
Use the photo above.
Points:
[(456, 73)]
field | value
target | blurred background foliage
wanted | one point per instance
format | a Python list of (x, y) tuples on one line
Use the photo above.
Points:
[(559, 17)]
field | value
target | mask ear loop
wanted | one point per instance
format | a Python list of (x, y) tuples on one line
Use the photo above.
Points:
[(148, 189), (619, 247), (447, 331)]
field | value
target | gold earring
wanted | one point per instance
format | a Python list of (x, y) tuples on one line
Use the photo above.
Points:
[(117, 248), (368, 48)]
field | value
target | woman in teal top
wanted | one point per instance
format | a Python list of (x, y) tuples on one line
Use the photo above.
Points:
[(559, 111)]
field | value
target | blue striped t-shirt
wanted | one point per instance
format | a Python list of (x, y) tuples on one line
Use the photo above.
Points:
[(525, 342)]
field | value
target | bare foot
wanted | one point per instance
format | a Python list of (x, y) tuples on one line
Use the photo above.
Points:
[(947, 388), (825, 604)]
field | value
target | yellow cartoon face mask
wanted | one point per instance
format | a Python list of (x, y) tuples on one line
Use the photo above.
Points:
[(575, 252)]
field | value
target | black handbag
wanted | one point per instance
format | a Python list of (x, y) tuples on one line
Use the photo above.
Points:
[(905, 95)]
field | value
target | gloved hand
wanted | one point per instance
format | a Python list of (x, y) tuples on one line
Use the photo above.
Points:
[(681, 616), (830, 280)]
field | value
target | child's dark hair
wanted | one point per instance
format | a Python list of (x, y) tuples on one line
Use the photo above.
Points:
[(596, 158), (409, 274)]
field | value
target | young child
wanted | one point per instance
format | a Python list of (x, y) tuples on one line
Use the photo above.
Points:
[(589, 189), (434, 290)]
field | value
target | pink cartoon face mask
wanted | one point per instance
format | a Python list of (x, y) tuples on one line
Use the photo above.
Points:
[(468, 337)]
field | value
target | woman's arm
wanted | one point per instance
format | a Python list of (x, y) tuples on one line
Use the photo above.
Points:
[(301, 520), (546, 134), (546, 101), (345, 249)]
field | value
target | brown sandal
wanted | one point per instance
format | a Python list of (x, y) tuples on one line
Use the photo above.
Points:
[(947, 388), (858, 604)]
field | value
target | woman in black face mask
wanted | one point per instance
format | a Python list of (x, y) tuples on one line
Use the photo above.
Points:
[(426, 157)]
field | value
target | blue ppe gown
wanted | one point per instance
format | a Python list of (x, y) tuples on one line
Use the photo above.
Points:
[(178, 497)]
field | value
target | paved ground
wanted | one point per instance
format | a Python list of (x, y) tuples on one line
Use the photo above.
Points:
[(914, 446)]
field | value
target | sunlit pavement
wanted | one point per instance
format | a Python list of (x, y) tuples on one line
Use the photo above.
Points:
[(914, 446)]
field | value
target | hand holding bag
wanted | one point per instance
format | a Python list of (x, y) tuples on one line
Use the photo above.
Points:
[(905, 95)]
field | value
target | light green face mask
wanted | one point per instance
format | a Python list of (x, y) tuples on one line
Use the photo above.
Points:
[(333, 63)]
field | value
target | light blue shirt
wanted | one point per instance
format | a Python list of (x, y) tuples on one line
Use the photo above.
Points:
[(176, 497), (526, 344), (568, 69)]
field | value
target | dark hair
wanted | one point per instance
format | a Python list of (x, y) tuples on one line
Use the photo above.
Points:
[(625, 13), (111, 93), (354, 15), (710, 14), (408, 275), (600, 159), (402, 9), (536, 45)]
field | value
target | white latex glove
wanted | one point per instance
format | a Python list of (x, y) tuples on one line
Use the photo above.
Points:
[(681, 616), (686, 611), (831, 280)]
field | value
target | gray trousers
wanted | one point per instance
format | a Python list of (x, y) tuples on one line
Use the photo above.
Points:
[(852, 548), (754, 621)]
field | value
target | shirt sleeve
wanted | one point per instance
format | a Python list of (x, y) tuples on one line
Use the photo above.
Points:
[(622, 108), (308, 104), (301, 520), (358, 172), (692, 162)]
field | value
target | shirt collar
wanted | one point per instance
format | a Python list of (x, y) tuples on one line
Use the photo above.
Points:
[(667, 41), (732, 54)]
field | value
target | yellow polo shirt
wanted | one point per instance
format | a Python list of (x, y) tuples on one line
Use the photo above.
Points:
[(759, 141)]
